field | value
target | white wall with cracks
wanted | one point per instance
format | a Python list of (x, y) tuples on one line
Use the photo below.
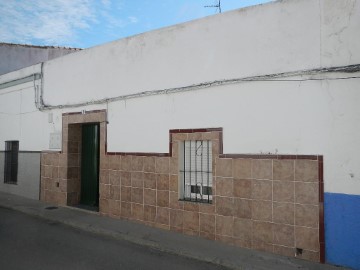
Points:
[(298, 113)]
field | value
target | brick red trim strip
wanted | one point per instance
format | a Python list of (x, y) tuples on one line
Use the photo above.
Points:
[(269, 156), (51, 152), (171, 131), (146, 154), (195, 130), (87, 112)]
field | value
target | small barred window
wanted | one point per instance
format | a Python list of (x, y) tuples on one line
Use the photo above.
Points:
[(196, 171), (11, 162)]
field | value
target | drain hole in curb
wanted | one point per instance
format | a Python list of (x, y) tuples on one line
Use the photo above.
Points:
[(51, 208)]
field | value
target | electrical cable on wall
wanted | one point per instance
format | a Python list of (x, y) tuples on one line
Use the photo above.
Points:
[(276, 77)]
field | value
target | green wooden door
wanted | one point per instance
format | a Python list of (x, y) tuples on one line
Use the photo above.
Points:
[(90, 165)]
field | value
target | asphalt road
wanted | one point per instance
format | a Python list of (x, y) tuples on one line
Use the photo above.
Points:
[(32, 243)]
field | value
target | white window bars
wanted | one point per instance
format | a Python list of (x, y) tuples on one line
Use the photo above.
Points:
[(196, 171)]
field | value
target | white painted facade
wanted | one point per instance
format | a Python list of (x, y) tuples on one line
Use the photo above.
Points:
[(294, 116), (180, 78)]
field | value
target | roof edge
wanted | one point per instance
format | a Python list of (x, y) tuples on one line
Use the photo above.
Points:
[(39, 46)]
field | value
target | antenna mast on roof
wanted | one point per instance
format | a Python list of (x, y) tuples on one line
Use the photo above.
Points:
[(217, 6)]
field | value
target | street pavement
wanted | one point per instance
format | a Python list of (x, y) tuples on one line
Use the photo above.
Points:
[(32, 243), (161, 243)]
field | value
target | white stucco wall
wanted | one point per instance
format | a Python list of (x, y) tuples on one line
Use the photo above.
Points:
[(292, 117), (240, 43), (28, 177), (314, 117)]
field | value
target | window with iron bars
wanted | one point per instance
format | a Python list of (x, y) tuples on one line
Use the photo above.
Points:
[(196, 171), (11, 162)]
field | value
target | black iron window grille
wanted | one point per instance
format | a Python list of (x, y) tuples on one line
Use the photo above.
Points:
[(11, 162), (196, 171)]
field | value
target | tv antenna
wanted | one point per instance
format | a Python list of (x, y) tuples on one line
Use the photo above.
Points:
[(217, 6)]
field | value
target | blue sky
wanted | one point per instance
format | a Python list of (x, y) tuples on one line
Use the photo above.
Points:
[(86, 23)]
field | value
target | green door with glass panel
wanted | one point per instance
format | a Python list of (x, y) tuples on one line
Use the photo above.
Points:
[(90, 165)]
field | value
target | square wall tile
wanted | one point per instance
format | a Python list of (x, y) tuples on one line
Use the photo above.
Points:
[(224, 226), (261, 169), (114, 208), (162, 198), (262, 210), (176, 218), (149, 164), (224, 206), (284, 251), (114, 192), (137, 211), (243, 228), (126, 163), (284, 170), (162, 215), (310, 255), (307, 193), (242, 188), (224, 167), (162, 165), (307, 238), (224, 186), (261, 189), (191, 221), (174, 183), (307, 215), (283, 191), (150, 180), (149, 196), (104, 206), (137, 179), (149, 213), (162, 181), (191, 206), (125, 179), (137, 164), (207, 223), (283, 213), (262, 231), (242, 168), (137, 195), (174, 165), (104, 175), (174, 201), (207, 208), (125, 194), (306, 170), (243, 208), (284, 235), (262, 246), (114, 177), (114, 162)]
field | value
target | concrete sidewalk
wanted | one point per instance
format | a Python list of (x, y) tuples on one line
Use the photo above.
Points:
[(167, 241)]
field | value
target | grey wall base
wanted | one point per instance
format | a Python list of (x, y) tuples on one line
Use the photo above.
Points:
[(28, 182)]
